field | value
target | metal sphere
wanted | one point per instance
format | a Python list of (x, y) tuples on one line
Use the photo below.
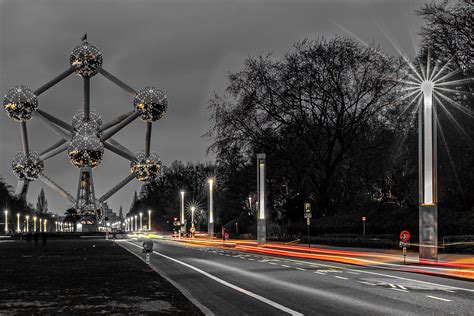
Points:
[(86, 60), (27, 167), (20, 102), (85, 150), (146, 167), (151, 103), (78, 119)]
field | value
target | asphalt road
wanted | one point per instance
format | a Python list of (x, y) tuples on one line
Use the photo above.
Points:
[(226, 282)]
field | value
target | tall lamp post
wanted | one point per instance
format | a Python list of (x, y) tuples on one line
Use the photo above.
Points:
[(141, 221), (27, 223), (181, 219), (192, 216), (45, 229), (18, 223), (149, 220), (34, 223), (261, 223), (210, 226), (428, 217), (136, 223), (6, 221)]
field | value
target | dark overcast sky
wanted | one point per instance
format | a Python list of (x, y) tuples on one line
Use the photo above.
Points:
[(185, 48)]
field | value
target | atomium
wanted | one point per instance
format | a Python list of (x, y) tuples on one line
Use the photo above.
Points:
[(86, 60), (146, 167), (91, 209), (151, 104), (78, 119), (27, 167), (85, 150), (20, 102)]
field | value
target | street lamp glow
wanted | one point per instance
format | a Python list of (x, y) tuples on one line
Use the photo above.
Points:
[(6, 220), (18, 222), (149, 220), (136, 223), (40, 224), (27, 223), (45, 229), (34, 223), (192, 215), (211, 201), (141, 221), (427, 87)]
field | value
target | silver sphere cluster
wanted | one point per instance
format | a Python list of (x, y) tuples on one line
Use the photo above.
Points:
[(27, 167), (20, 102), (151, 103), (86, 60), (85, 148), (146, 167)]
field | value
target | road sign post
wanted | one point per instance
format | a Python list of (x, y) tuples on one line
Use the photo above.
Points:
[(308, 215), (404, 243)]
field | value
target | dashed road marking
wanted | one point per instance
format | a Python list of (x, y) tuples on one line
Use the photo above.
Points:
[(405, 291), (368, 283), (439, 298), (301, 269), (272, 263), (340, 277), (317, 272), (284, 265), (352, 272)]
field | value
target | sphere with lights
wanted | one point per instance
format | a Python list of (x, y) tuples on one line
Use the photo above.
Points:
[(146, 167), (86, 60), (151, 104), (20, 102), (85, 150), (27, 167), (78, 120)]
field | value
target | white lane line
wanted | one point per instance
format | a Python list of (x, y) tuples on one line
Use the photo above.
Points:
[(402, 287), (393, 286), (251, 259), (284, 265), (317, 272), (301, 269), (368, 283), (352, 272), (230, 285), (439, 298), (272, 263), (404, 291), (340, 277)]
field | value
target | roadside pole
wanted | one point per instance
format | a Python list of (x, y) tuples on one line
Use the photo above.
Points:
[(308, 215)]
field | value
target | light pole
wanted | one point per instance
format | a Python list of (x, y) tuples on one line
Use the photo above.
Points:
[(210, 227), (136, 223), (40, 224), (6, 221), (27, 223), (34, 223), (181, 220), (141, 221), (149, 220), (192, 221), (428, 217), (45, 229), (363, 225), (18, 222), (261, 223)]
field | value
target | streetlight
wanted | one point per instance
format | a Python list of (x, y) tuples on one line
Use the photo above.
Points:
[(45, 229), (27, 223), (18, 222), (210, 227), (149, 220), (40, 224), (141, 221), (34, 223), (192, 216), (6, 221), (181, 220), (136, 223)]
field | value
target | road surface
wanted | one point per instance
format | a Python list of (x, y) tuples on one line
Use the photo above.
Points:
[(227, 282)]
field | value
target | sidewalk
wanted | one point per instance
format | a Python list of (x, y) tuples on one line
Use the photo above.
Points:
[(84, 277)]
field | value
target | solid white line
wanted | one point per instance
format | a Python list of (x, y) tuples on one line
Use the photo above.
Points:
[(230, 285), (342, 278), (439, 298)]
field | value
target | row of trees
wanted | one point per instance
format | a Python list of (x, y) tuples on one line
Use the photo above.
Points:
[(338, 129)]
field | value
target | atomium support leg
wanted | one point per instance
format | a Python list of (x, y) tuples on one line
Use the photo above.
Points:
[(118, 82), (24, 138), (125, 154), (54, 152), (54, 81), (53, 127), (55, 120), (52, 147), (53, 185), (116, 188), (87, 97)]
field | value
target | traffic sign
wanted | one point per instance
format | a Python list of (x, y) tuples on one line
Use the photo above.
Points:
[(307, 210), (405, 236)]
